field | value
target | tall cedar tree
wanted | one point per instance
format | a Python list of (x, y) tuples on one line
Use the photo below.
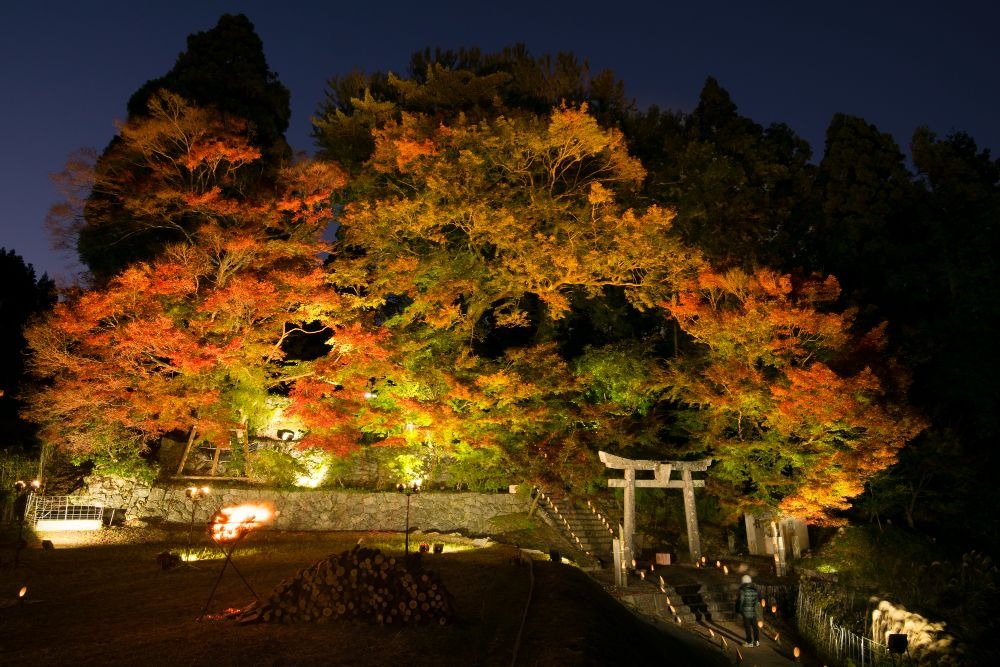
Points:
[(223, 71)]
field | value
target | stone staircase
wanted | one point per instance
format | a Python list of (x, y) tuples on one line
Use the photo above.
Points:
[(583, 525), (684, 601)]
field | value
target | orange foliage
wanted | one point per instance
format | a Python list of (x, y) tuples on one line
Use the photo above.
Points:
[(776, 413)]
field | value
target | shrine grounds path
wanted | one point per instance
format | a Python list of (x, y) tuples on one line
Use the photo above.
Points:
[(778, 638)]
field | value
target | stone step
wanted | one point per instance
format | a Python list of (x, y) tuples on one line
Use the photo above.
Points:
[(688, 609)]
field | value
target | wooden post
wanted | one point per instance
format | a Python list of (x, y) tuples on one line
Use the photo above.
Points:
[(691, 515), (215, 459), (187, 450)]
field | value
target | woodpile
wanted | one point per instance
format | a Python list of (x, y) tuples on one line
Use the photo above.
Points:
[(359, 583)]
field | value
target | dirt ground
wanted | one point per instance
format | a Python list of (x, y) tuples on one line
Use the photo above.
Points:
[(103, 599)]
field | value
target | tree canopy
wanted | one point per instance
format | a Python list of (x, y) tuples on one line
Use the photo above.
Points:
[(526, 269)]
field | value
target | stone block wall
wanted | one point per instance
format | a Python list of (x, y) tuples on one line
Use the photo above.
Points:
[(469, 513)]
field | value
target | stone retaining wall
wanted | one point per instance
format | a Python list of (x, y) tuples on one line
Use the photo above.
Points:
[(469, 513)]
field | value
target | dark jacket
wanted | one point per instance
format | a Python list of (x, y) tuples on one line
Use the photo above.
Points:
[(747, 601)]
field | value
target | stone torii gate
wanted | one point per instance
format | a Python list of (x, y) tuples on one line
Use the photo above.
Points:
[(661, 479)]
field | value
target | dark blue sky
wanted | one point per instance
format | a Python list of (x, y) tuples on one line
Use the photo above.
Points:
[(68, 68)]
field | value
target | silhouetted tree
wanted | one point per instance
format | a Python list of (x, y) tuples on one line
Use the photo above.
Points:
[(223, 70), (22, 296)]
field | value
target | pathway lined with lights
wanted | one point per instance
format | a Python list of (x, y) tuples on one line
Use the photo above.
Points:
[(699, 602), (696, 601)]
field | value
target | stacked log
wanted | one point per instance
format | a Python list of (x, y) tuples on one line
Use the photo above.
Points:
[(359, 583)]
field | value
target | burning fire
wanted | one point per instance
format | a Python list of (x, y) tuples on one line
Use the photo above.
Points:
[(230, 523)]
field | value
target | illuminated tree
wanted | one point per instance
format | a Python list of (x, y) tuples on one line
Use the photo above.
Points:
[(198, 336), (467, 83), (476, 239), (789, 404)]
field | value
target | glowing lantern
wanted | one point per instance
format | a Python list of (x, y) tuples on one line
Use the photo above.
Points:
[(231, 523)]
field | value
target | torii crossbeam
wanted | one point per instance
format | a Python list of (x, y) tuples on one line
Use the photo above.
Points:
[(661, 479)]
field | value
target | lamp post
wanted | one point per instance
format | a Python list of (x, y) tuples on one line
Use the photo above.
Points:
[(196, 494), (414, 487)]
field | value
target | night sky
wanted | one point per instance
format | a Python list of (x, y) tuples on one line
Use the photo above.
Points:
[(68, 68)]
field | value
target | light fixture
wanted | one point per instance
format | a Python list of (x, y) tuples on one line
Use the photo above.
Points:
[(414, 487), (195, 493), (896, 643)]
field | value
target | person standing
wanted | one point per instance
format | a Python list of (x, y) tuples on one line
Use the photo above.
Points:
[(747, 605)]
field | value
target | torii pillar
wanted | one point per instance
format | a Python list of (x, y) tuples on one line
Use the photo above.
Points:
[(661, 479)]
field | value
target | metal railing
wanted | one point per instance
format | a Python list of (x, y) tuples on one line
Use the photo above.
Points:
[(63, 509), (833, 641)]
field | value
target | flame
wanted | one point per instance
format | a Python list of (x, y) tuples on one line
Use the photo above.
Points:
[(21, 593), (230, 523)]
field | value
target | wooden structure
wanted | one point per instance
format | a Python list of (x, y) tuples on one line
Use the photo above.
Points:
[(662, 471), (239, 439)]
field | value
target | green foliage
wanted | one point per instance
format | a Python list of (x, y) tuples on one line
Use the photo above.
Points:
[(126, 462), (15, 466), (480, 469), (408, 468), (510, 523), (621, 375), (275, 468)]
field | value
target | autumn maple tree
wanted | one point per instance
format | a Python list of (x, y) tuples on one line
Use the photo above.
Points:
[(444, 321), (197, 337), (475, 238), (789, 402)]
